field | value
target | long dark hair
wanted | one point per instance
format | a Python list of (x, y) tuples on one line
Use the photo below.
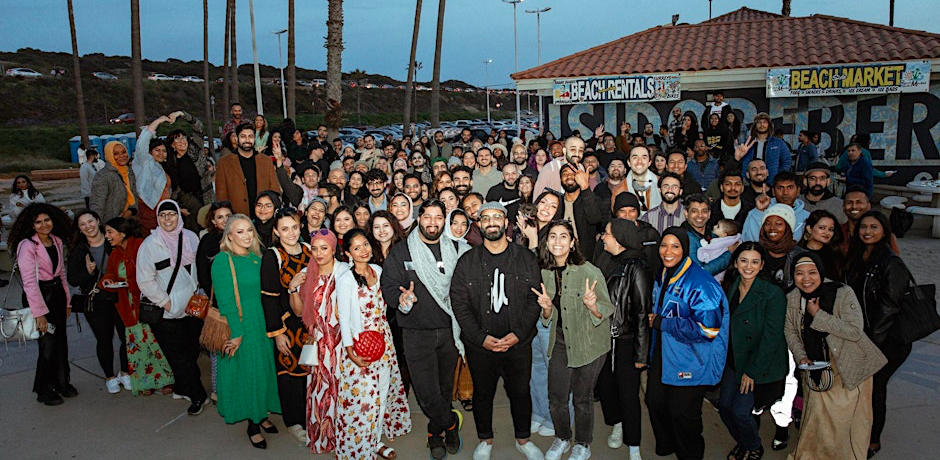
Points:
[(398, 234), (731, 273), (813, 219), (347, 210), (210, 215), (546, 259), (857, 246), (78, 237), (23, 226), (30, 188), (129, 227), (347, 244)]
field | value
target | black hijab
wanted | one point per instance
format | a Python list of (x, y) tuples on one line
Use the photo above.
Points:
[(683, 236), (628, 235), (814, 341)]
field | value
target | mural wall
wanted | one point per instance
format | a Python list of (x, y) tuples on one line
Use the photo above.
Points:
[(904, 128)]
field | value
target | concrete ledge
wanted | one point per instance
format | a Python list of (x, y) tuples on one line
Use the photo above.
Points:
[(54, 174)]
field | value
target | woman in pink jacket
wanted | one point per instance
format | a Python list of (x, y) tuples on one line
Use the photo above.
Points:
[(37, 235)]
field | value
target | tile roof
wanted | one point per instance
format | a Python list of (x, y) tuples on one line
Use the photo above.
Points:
[(744, 39)]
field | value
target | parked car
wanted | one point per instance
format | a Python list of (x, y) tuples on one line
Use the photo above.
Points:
[(123, 119), (22, 72), (179, 78), (104, 76), (159, 77), (193, 78)]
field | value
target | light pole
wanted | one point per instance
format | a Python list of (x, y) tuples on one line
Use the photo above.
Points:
[(515, 41), (254, 50), (283, 96), (486, 87), (538, 39)]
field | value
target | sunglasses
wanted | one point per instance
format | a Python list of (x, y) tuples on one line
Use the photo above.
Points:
[(320, 232)]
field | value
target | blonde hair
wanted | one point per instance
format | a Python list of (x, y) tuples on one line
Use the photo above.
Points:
[(227, 246)]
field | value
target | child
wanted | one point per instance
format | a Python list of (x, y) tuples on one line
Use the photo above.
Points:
[(727, 233)]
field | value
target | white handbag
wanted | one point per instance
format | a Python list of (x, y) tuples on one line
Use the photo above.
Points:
[(308, 356), (16, 323)]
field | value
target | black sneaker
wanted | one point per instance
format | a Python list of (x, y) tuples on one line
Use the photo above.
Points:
[(67, 391), (436, 444), (452, 440), (781, 438), (49, 398), (196, 407)]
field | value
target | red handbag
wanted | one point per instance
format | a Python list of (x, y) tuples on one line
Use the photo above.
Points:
[(370, 345)]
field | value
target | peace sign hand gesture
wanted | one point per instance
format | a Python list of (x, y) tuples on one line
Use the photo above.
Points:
[(742, 149), (590, 297), (544, 301), (407, 298)]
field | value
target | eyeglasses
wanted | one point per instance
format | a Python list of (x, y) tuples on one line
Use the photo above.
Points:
[(265, 205), (167, 215), (494, 218)]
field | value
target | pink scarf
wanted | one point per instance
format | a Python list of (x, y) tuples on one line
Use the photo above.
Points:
[(171, 239)]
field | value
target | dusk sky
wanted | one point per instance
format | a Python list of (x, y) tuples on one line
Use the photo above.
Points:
[(377, 33)]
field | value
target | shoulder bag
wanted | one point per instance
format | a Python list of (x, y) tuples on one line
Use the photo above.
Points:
[(918, 317), (17, 322), (150, 312), (215, 330)]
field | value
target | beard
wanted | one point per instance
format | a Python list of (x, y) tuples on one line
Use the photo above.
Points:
[(817, 190), (246, 146), (428, 235), (570, 188), (510, 185), (496, 234), (520, 161), (462, 190), (675, 197)]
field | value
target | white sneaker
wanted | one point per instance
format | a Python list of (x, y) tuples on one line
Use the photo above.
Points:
[(530, 450), (125, 380), (483, 451), (580, 452), (300, 433), (559, 447), (114, 387), (534, 427), (178, 396), (546, 431), (615, 440), (635, 454)]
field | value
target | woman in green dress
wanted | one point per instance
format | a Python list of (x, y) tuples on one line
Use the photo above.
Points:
[(247, 384)]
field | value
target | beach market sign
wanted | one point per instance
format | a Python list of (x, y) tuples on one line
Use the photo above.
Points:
[(632, 88), (870, 78)]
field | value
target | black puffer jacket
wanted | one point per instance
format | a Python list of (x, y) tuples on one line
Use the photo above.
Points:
[(880, 289), (631, 286)]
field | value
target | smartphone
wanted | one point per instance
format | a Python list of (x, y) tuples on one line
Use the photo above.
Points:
[(50, 329), (119, 284)]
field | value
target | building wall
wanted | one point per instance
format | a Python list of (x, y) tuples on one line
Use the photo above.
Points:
[(904, 128)]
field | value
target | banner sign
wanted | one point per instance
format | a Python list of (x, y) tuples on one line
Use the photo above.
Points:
[(632, 88), (831, 80)]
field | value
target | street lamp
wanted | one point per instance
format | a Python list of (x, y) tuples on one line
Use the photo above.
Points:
[(486, 66), (254, 50), (515, 40), (538, 39), (283, 96)]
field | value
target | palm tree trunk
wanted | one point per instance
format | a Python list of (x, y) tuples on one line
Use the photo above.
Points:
[(234, 57), (891, 13), (291, 63), (786, 8), (136, 69), (226, 83), (436, 72), (409, 86), (205, 71), (334, 67), (77, 71)]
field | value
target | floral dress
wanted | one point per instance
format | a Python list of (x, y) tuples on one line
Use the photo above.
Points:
[(322, 383), (372, 399), (146, 363)]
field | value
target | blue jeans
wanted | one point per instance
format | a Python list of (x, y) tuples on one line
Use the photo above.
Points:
[(735, 409), (538, 382)]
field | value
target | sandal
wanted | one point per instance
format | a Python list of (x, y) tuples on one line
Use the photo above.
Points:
[(467, 404), (146, 393), (167, 390), (386, 452)]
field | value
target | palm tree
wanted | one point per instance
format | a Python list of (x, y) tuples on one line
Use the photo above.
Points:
[(77, 70), (226, 83), (234, 57), (891, 13), (436, 71), (291, 63), (205, 69), (786, 8), (136, 70), (334, 66), (409, 86), (357, 76)]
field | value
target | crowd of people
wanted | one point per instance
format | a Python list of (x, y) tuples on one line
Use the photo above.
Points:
[(567, 268)]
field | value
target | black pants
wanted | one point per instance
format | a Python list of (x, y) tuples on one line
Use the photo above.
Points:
[(578, 383), (293, 393), (52, 365), (676, 415), (432, 358), (896, 353), (400, 353), (619, 391), (515, 367), (179, 339), (104, 321)]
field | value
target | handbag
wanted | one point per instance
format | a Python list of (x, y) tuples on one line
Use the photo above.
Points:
[(198, 305), (825, 378), (308, 355), (215, 330), (17, 323), (370, 345), (918, 317), (150, 312)]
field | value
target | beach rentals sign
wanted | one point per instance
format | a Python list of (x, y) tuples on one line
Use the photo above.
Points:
[(628, 88)]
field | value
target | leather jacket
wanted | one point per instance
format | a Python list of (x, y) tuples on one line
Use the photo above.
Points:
[(630, 287), (880, 290)]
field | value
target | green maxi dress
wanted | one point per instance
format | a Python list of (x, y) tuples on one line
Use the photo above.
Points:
[(247, 382)]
